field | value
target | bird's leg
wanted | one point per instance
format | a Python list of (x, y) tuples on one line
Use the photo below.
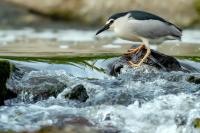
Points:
[(142, 60), (135, 50)]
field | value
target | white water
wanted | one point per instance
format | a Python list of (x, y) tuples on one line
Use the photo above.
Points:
[(139, 100), (70, 35), (142, 100)]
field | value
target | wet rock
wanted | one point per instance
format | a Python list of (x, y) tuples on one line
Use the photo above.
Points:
[(156, 59), (122, 99), (91, 11), (78, 93), (40, 85), (5, 72), (51, 87), (180, 120), (193, 79), (73, 120)]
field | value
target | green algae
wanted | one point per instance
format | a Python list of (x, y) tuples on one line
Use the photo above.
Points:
[(62, 59), (193, 58), (196, 123)]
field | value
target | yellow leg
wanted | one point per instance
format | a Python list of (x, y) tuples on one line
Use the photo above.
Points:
[(142, 60), (135, 50)]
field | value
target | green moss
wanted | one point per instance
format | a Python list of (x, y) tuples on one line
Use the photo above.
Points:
[(196, 59), (196, 123), (62, 59), (6, 68)]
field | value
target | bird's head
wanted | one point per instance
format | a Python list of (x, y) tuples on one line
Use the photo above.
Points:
[(107, 26), (110, 22)]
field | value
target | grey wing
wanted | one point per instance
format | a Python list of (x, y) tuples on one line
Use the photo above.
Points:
[(154, 29)]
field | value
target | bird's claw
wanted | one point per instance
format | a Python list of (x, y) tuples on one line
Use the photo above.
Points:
[(131, 64)]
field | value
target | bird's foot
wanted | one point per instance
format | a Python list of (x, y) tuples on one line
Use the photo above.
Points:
[(142, 60), (131, 51), (134, 50), (131, 64)]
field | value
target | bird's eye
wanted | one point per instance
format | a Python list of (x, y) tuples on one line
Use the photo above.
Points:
[(111, 21)]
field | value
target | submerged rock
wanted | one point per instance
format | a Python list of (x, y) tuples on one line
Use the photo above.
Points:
[(180, 120), (5, 72), (78, 93), (156, 59), (73, 120), (193, 79)]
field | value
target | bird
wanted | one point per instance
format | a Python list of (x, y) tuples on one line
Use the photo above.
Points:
[(144, 26)]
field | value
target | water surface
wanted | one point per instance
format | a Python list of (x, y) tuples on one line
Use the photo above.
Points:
[(138, 100)]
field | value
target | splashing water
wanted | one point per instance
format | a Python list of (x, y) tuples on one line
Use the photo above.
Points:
[(139, 100)]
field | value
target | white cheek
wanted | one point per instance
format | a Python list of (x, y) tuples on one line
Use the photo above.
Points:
[(107, 22), (112, 27)]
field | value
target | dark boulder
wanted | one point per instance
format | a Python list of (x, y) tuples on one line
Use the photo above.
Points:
[(78, 93), (5, 72), (156, 59), (193, 79)]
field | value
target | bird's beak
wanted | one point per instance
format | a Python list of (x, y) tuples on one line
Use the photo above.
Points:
[(106, 27)]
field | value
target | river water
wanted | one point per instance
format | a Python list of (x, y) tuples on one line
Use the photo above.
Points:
[(138, 100)]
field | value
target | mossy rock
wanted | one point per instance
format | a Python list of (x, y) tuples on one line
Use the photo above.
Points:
[(196, 123), (5, 71)]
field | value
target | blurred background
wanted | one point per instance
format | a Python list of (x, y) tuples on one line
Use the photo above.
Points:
[(51, 26), (59, 69), (93, 12)]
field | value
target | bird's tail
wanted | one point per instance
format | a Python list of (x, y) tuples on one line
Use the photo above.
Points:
[(176, 32)]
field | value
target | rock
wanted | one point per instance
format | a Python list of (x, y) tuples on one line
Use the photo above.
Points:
[(72, 120), (21, 17), (5, 72), (156, 59), (78, 93), (42, 88), (39, 85), (180, 120), (193, 79), (90, 11)]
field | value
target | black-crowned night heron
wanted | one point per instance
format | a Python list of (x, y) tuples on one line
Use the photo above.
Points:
[(144, 26)]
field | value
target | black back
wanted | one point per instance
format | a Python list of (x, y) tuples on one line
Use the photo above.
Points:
[(117, 15), (141, 15)]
